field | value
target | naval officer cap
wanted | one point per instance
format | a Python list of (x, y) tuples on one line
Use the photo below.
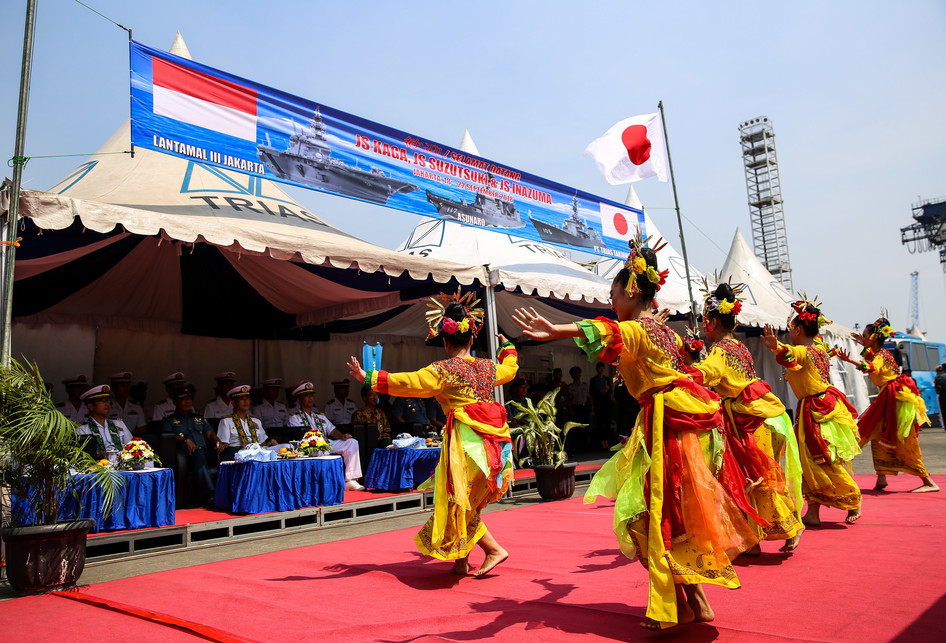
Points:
[(225, 376), (341, 382), (76, 380), (303, 388), (96, 393), (185, 390), (243, 390), (273, 382), (174, 379), (123, 377)]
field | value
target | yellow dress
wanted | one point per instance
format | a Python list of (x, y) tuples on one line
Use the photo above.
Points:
[(892, 422), (756, 418), (671, 511), (475, 465), (824, 426)]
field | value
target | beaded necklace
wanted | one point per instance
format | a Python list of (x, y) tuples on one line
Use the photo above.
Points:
[(112, 430), (241, 432)]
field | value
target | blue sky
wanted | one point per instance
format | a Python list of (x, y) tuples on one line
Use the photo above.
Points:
[(855, 91)]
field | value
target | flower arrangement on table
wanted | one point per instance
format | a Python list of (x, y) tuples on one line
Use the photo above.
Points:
[(135, 454), (314, 443)]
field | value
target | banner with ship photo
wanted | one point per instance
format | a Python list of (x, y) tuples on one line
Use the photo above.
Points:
[(181, 107)]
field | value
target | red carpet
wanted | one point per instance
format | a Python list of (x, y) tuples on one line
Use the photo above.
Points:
[(882, 579)]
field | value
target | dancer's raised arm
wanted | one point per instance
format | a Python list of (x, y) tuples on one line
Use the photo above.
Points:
[(537, 327)]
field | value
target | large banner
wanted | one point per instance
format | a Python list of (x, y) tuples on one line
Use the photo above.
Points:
[(190, 110)]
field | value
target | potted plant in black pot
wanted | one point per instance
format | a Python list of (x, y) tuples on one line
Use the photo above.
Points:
[(39, 457), (545, 443)]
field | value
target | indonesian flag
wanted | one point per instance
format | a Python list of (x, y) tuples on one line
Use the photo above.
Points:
[(618, 223), (631, 150), (203, 100)]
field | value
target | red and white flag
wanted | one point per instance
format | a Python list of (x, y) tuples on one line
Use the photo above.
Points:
[(631, 150), (206, 101), (619, 223)]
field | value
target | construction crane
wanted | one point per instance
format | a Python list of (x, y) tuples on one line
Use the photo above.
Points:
[(915, 299), (928, 232)]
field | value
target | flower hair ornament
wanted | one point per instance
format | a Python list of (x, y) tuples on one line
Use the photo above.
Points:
[(800, 307), (692, 342), (882, 328), (438, 324), (722, 306), (637, 265)]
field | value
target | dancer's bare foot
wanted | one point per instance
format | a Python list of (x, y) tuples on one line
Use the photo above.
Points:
[(696, 599), (927, 486), (461, 566), (755, 550), (684, 615), (881, 483), (812, 517), (493, 559), (792, 543), (852, 516)]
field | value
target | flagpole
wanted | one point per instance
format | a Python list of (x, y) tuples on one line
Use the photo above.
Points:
[(676, 206)]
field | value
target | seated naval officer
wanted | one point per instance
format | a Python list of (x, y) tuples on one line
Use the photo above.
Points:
[(342, 443), (196, 437), (166, 407), (74, 408), (271, 412), (107, 434), (407, 412), (240, 428), (219, 407), (123, 407), (339, 409)]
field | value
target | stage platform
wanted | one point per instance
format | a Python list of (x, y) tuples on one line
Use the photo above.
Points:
[(195, 528)]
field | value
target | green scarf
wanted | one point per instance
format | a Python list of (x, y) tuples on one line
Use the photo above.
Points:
[(241, 432), (319, 425), (113, 431)]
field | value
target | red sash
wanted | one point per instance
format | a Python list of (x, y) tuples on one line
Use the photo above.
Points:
[(494, 415), (822, 404), (884, 409)]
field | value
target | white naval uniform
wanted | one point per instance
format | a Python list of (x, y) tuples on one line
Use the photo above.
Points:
[(217, 409), (339, 412), (227, 432), (78, 416), (348, 449), (271, 414), (123, 433), (132, 414), (162, 410)]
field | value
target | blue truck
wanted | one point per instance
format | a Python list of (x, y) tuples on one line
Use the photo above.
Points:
[(919, 358)]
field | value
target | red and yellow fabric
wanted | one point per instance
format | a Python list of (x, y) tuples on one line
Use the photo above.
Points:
[(760, 435), (824, 426), (892, 422), (475, 465), (673, 484)]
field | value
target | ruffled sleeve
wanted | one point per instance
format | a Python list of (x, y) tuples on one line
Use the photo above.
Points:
[(791, 357), (508, 363), (600, 339)]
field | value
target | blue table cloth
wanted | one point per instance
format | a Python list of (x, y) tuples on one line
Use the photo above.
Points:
[(395, 469), (144, 499), (262, 487)]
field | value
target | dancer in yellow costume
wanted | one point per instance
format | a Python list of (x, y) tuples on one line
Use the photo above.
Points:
[(760, 431), (892, 422), (824, 419), (475, 465), (671, 512)]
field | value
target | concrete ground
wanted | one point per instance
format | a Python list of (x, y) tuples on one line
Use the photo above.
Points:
[(932, 442)]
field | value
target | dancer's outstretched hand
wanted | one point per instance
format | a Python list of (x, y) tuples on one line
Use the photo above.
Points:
[(354, 367), (859, 338), (845, 356), (501, 338), (533, 324), (768, 338), (662, 315)]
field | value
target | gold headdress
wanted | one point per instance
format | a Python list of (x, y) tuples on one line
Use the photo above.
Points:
[(801, 309), (437, 323), (637, 265), (722, 306)]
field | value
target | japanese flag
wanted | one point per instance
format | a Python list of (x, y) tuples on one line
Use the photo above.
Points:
[(620, 223), (631, 150)]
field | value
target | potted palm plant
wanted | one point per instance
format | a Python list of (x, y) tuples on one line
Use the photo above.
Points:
[(39, 457), (545, 443)]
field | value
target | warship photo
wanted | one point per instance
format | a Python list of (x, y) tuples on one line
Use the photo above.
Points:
[(308, 160), (574, 231), (484, 211)]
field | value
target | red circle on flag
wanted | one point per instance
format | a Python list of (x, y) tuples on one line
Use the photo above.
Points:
[(637, 144), (620, 224)]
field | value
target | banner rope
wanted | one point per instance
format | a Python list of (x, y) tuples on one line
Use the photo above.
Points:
[(104, 16)]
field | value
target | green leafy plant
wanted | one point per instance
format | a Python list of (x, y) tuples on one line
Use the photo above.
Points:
[(543, 439), (39, 452)]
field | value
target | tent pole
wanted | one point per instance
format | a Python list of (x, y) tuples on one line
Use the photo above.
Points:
[(492, 328), (8, 248), (676, 206), (256, 363)]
